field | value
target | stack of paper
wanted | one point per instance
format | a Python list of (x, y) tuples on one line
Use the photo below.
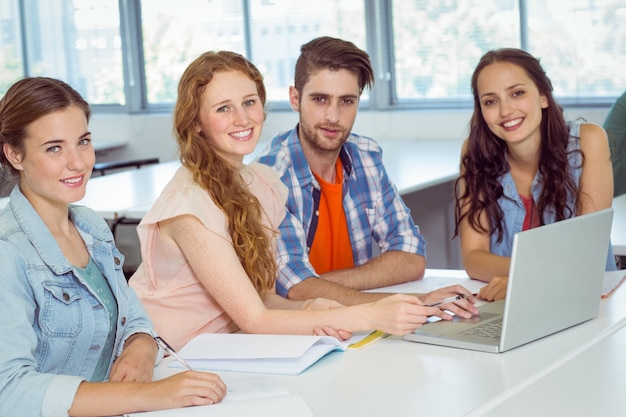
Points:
[(255, 396)]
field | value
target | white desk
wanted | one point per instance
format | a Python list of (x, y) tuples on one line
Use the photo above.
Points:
[(399, 378), (107, 145), (112, 195), (423, 172), (591, 384), (618, 231), (414, 165), (399, 170)]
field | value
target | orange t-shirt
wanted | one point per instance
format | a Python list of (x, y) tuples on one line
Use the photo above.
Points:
[(331, 248)]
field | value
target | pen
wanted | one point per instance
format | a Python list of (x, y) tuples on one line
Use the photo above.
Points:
[(159, 341), (447, 300)]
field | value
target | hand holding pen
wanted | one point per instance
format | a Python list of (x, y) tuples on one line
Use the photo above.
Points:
[(447, 300), (184, 389), (460, 303), (165, 346)]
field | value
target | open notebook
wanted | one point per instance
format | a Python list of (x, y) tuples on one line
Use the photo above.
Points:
[(555, 282), (266, 353)]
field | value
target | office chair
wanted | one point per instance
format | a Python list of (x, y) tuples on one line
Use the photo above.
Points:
[(111, 167), (102, 168), (7, 182)]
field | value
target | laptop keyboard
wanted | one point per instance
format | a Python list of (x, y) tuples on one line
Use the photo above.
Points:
[(490, 329)]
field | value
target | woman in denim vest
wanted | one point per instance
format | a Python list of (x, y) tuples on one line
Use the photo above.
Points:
[(69, 319), (522, 165)]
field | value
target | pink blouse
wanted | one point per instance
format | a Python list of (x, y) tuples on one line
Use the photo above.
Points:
[(177, 302)]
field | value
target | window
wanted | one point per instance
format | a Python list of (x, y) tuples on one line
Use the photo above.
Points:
[(130, 54), (437, 44), (276, 30), (582, 46), (172, 40), (77, 41), (11, 64), (299, 22)]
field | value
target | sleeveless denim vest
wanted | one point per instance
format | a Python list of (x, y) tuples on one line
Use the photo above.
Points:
[(513, 207)]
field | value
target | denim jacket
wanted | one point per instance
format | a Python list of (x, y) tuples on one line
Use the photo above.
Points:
[(52, 326), (514, 210)]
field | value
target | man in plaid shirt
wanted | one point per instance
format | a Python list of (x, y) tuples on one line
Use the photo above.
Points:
[(341, 200)]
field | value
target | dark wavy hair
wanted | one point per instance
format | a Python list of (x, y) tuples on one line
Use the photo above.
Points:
[(485, 161), (222, 181)]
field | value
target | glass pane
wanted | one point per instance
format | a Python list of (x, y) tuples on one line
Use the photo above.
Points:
[(11, 67), (280, 27), (77, 41), (581, 44), (176, 33), (438, 44)]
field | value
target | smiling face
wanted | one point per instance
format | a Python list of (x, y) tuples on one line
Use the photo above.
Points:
[(510, 102), (57, 158), (328, 107), (231, 115)]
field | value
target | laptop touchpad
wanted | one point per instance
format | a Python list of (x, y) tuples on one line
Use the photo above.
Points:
[(457, 324)]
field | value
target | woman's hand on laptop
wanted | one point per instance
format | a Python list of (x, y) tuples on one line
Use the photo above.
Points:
[(462, 306), (495, 290)]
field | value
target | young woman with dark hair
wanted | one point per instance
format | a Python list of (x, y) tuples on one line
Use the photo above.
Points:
[(522, 165)]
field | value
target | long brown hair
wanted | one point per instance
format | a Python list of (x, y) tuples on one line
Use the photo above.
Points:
[(484, 161), (217, 176)]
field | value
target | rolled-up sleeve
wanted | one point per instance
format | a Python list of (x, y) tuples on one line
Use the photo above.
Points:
[(292, 258), (394, 228)]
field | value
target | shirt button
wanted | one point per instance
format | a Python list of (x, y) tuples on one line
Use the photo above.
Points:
[(66, 296), (317, 213), (123, 321), (116, 260)]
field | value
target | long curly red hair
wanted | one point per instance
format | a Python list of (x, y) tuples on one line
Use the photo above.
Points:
[(223, 182)]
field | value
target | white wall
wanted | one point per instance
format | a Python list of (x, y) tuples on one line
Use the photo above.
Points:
[(151, 135)]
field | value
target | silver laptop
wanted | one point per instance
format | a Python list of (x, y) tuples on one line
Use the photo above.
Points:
[(555, 282)]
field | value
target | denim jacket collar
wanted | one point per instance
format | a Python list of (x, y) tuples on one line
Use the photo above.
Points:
[(38, 233)]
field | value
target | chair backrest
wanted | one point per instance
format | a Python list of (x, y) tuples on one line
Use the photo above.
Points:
[(103, 168), (7, 182)]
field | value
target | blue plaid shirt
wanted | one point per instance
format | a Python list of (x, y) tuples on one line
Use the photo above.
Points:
[(374, 209)]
